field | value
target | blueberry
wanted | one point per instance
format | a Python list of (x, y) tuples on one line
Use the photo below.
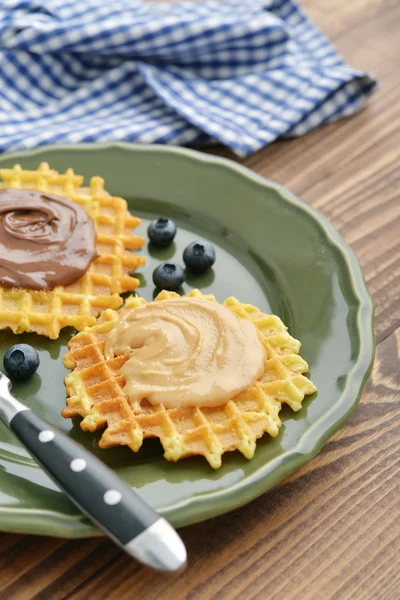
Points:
[(161, 231), (199, 256), (168, 276), (21, 361)]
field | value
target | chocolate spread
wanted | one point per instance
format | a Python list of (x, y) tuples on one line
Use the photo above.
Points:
[(186, 352), (45, 240)]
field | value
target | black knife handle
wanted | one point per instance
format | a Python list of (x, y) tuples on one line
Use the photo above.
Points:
[(90, 484)]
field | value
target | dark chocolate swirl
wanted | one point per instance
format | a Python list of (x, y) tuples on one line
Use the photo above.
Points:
[(45, 240)]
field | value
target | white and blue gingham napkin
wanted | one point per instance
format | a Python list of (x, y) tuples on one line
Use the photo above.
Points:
[(242, 72)]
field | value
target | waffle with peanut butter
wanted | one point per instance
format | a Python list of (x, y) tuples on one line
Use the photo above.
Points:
[(79, 303), (95, 392)]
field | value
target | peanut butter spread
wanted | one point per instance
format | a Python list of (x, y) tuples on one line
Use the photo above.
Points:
[(186, 352)]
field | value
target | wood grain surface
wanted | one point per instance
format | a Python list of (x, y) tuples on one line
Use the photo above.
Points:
[(331, 531)]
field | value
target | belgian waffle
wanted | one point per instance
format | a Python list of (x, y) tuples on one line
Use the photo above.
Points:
[(77, 304), (95, 392)]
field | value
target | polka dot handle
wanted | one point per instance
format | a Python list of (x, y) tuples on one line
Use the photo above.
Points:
[(96, 489)]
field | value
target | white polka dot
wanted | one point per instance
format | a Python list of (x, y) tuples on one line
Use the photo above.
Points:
[(46, 436), (78, 464), (112, 497)]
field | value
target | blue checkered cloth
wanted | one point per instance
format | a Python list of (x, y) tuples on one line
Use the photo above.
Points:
[(240, 72)]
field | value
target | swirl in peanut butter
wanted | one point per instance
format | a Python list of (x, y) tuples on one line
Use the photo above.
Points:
[(185, 352), (45, 240)]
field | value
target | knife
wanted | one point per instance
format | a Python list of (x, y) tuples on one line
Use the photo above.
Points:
[(97, 491)]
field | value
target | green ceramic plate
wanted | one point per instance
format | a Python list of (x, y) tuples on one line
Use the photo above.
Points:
[(273, 251)]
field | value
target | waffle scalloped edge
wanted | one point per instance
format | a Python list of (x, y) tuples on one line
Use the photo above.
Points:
[(77, 304), (94, 390)]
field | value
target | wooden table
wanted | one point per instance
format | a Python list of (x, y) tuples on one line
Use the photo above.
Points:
[(331, 531)]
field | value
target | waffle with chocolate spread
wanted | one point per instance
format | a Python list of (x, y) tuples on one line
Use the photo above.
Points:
[(80, 302)]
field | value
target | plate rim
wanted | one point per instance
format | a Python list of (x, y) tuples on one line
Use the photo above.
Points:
[(202, 507)]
